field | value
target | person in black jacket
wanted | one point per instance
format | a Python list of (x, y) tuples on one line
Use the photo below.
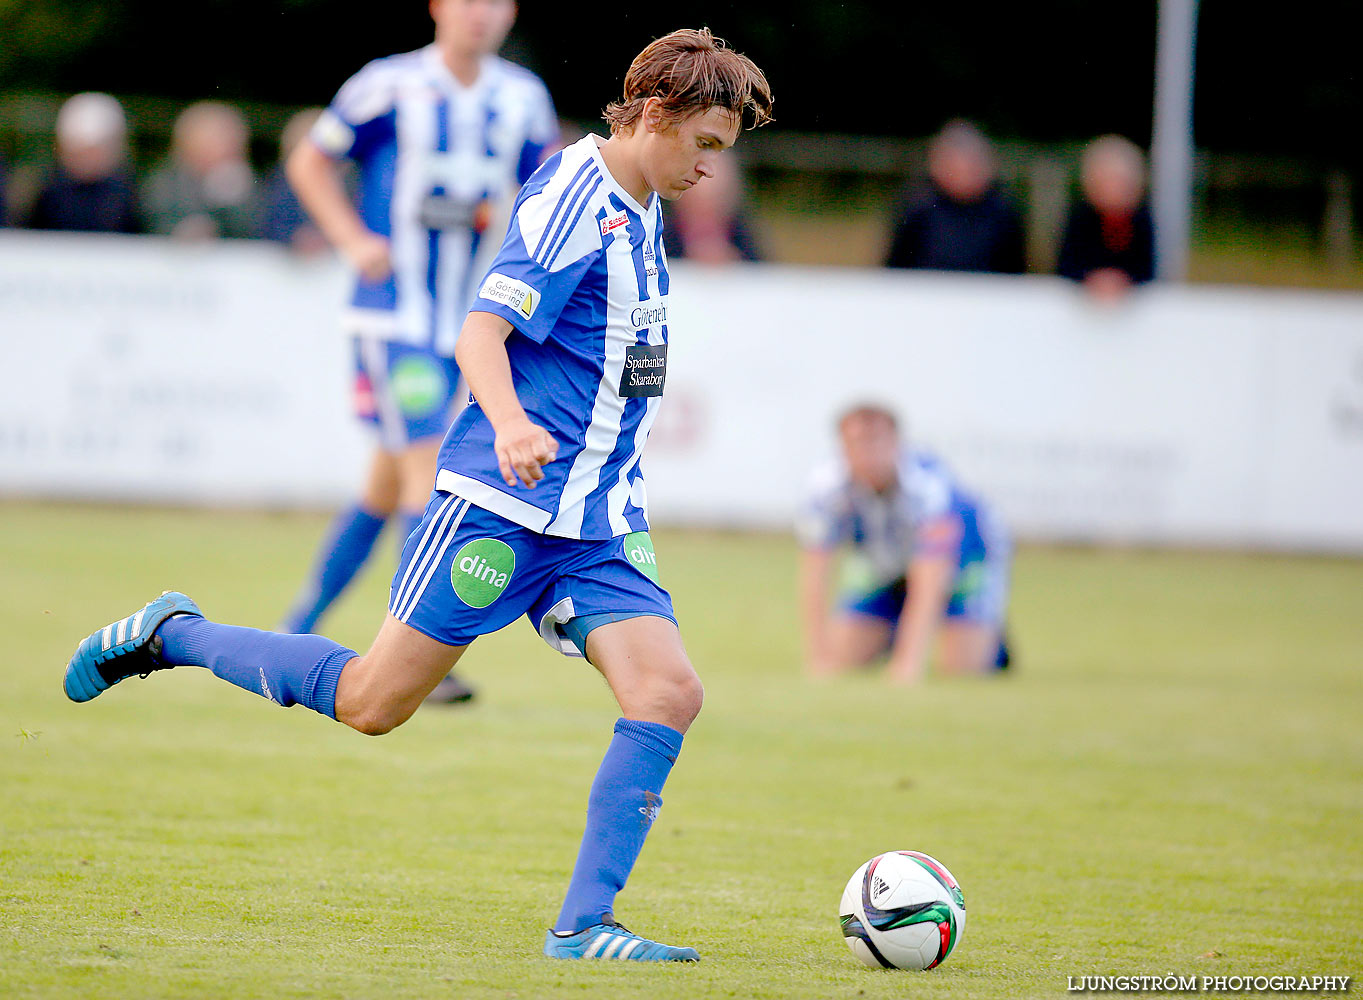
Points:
[(960, 221), (90, 188), (1109, 241)]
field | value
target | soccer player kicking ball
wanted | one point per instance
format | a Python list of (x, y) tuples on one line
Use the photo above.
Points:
[(539, 506)]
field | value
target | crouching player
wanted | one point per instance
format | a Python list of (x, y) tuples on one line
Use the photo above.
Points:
[(928, 560), (539, 507)]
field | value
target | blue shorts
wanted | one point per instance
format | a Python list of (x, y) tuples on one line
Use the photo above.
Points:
[(979, 590), (466, 572), (407, 392)]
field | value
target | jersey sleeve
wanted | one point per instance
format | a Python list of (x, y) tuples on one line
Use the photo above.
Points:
[(360, 117), (541, 263), (542, 135), (937, 531)]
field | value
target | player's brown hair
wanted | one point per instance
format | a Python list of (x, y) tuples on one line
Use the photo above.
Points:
[(692, 71)]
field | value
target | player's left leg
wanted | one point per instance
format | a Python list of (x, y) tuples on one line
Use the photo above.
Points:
[(607, 605), (646, 666)]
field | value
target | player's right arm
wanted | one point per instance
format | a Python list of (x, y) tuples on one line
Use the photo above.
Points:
[(360, 122), (316, 178), (522, 446)]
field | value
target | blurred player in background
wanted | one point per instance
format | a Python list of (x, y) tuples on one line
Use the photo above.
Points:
[(539, 507), (442, 139), (927, 560)]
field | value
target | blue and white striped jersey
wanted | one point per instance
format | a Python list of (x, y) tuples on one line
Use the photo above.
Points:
[(583, 280), (438, 165), (887, 530)]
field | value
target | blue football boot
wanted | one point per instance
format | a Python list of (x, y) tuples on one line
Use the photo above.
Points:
[(610, 940), (125, 648)]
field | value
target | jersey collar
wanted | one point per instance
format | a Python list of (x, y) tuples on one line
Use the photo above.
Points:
[(609, 179)]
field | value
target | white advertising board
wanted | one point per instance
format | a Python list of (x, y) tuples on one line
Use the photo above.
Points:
[(140, 369), (144, 369)]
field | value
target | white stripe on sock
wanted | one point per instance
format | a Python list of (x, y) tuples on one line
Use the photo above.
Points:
[(603, 938), (627, 949)]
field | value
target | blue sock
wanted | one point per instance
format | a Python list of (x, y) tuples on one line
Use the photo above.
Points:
[(624, 802), (347, 545), (287, 669)]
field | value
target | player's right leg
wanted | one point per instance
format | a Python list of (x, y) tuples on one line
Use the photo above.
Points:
[(416, 466), (372, 693), (862, 628)]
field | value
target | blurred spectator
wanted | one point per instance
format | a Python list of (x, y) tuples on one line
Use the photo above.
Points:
[(960, 221), (1109, 241), (709, 225), (4, 188), (207, 187), (282, 217), (90, 188)]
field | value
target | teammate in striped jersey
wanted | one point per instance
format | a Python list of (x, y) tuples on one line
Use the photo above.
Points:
[(928, 561), (539, 507), (441, 138)]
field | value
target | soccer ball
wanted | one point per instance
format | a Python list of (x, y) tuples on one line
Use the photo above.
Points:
[(902, 910)]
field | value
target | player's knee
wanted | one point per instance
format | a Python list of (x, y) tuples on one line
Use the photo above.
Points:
[(685, 695), (695, 697), (375, 720), (366, 705)]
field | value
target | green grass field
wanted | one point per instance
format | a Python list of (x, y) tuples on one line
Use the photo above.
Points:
[(1171, 783)]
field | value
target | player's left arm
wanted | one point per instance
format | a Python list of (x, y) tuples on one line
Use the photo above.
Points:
[(929, 576)]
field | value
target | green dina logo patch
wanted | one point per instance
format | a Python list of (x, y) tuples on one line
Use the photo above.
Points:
[(639, 551), (481, 571), (418, 384)]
